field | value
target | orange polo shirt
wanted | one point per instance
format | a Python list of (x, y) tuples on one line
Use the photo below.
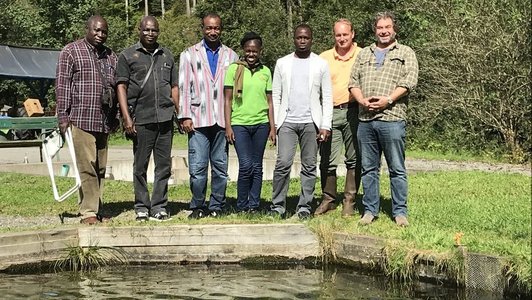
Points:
[(340, 71)]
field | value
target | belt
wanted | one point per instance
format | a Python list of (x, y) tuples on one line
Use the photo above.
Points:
[(345, 105)]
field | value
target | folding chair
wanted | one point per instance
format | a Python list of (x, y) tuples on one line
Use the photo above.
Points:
[(52, 143)]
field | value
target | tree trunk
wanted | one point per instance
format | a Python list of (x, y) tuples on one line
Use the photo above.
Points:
[(162, 9), (145, 7), (188, 7), (127, 13), (289, 19)]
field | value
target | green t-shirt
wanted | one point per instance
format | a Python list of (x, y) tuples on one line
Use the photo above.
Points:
[(252, 107)]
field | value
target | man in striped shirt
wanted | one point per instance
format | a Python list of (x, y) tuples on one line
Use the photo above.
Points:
[(84, 78), (202, 70)]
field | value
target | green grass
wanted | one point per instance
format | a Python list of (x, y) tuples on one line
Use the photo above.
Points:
[(491, 211)]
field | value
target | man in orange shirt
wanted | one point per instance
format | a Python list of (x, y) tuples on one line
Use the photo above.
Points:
[(344, 125)]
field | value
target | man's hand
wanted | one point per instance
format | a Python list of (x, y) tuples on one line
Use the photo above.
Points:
[(323, 135), (188, 126), (229, 135), (63, 126), (129, 126), (366, 102), (378, 103), (272, 136)]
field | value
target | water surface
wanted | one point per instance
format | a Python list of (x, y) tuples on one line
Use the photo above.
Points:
[(170, 281)]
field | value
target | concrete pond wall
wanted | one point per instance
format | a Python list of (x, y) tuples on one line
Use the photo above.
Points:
[(271, 243)]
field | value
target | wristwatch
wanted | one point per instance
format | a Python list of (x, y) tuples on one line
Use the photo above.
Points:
[(389, 100)]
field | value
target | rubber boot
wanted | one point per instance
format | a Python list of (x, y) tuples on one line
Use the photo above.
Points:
[(329, 195), (350, 192)]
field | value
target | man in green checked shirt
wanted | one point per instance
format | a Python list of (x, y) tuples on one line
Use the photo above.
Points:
[(382, 77)]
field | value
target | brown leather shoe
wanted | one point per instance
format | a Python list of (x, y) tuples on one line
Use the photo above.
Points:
[(350, 192), (103, 219), (347, 208), (89, 221), (327, 204), (328, 185)]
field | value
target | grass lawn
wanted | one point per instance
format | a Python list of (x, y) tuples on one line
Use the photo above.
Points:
[(491, 212)]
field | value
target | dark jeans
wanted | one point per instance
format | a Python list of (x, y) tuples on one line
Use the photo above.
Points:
[(250, 142), (156, 138), (204, 145)]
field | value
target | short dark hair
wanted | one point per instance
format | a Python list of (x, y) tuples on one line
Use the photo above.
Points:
[(303, 26), (211, 15), (385, 15), (249, 36)]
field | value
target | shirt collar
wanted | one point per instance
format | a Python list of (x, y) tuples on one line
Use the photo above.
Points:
[(346, 57), (98, 54), (392, 47), (208, 48), (139, 47)]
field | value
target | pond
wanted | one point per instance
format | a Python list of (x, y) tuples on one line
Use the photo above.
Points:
[(170, 281)]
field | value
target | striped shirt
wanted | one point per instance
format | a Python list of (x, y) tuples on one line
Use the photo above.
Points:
[(399, 69), (201, 93), (79, 85)]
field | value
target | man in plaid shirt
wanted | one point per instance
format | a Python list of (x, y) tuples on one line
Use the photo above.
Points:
[(84, 77), (381, 79)]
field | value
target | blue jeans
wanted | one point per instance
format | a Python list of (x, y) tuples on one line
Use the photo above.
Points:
[(250, 142), (287, 139), (204, 145), (374, 138)]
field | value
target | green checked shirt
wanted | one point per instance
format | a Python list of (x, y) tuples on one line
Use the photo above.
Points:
[(399, 69)]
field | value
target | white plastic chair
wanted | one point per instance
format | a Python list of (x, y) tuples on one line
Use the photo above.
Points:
[(52, 143)]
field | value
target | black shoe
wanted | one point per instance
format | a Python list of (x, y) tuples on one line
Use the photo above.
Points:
[(253, 211), (275, 214), (303, 215), (197, 213), (160, 217), (142, 216), (215, 213)]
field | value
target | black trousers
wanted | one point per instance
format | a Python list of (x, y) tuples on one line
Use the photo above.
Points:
[(156, 138)]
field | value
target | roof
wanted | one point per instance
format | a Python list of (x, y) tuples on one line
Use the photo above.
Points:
[(27, 63)]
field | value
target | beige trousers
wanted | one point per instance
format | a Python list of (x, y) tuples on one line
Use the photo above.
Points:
[(91, 156)]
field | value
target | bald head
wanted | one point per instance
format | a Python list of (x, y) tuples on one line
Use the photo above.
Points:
[(149, 32), (151, 19), (96, 31)]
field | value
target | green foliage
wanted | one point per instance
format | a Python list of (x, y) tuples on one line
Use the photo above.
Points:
[(474, 91), (474, 56)]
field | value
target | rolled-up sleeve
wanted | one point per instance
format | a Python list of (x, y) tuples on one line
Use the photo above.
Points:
[(354, 79), (409, 75)]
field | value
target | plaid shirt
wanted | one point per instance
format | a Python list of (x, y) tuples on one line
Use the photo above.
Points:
[(79, 85), (399, 69)]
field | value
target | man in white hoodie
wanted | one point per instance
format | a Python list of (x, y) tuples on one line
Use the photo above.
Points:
[(302, 99)]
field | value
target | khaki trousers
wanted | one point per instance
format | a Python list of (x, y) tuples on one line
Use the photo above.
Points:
[(91, 156)]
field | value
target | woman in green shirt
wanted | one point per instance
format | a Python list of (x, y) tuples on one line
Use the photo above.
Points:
[(249, 119)]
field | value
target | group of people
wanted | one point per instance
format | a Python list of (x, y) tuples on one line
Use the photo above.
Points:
[(347, 97)]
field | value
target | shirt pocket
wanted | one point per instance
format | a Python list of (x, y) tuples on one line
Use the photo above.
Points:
[(166, 73), (394, 68), (364, 67)]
